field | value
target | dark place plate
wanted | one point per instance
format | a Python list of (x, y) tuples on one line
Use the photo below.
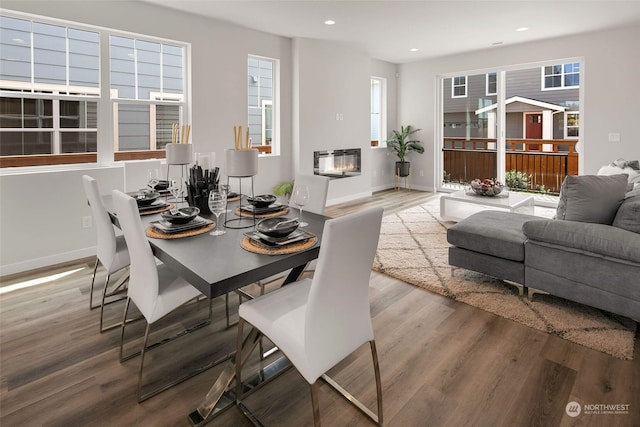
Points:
[(169, 228)]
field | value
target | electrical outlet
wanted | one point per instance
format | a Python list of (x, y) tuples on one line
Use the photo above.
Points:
[(87, 221), (614, 137)]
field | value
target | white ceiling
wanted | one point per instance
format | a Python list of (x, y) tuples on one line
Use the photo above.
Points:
[(387, 29)]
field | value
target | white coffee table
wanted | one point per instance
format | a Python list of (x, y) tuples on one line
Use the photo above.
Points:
[(459, 205)]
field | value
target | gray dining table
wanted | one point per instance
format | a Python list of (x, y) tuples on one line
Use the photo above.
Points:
[(217, 265)]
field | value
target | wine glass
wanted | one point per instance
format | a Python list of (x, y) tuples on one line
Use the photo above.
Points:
[(300, 198), (175, 187), (217, 205)]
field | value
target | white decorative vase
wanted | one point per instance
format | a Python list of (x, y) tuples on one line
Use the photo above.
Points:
[(241, 163), (179, 154)]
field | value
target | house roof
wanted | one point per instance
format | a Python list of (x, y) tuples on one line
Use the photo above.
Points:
[(522, 99)]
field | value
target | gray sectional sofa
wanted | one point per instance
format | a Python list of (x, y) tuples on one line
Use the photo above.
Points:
[(590, 253)]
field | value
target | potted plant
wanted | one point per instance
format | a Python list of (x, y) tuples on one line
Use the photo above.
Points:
[(283, 190), (401, 143)]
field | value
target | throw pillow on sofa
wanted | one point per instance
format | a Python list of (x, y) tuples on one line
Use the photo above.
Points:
[(628, 215), (591, 198)]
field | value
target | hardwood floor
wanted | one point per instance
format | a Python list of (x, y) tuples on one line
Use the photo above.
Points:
[(443, 363)]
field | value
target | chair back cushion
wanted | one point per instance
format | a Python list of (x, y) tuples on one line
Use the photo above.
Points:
[(338, 316), (143, 278), (318, 188), (106, 237)]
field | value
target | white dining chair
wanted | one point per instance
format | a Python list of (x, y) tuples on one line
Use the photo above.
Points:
[(111, 251), (318, 322), (154, 289), (318, 188)]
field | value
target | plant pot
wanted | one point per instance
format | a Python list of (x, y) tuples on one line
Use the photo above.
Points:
[(402, 169), (179, 154), (242, 163)]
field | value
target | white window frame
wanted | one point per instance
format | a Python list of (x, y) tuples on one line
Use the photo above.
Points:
[(487, 92), (567, 127), (382, 108), (275, 105), (266, 102), (107, 127), (454, 86), (562, 74)]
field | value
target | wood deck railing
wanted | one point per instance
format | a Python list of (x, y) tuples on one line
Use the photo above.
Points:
[(548, 161)]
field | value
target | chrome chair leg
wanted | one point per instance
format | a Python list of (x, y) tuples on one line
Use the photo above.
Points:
[(376, 370), (142, 354), (118, 288), (239, 341), (147, 347), (314, 404), (368, 412), (93, 281)]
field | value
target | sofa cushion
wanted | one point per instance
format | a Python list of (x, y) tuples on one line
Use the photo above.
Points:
[(598, 239), (591, 198), (628, 215), (494, 233)]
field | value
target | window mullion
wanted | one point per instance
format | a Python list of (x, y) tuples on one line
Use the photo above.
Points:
[(106, 137), (57, 138)]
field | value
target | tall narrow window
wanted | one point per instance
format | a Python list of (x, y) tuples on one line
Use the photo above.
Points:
[(492, 85), (573, 125), (261, 77), (378, 108)]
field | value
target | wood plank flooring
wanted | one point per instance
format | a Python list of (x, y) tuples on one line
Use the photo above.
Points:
[(443, 363)]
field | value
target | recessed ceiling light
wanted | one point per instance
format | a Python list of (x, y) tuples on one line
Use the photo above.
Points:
[(329, 22), (522, 29), (415, 49)]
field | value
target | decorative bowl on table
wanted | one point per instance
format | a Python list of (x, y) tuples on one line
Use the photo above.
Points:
[(261, 201), (160, 185), (487, 187), (180, 216), (277, 227), (146, 197)]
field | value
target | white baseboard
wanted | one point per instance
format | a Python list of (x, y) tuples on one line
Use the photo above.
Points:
[(47, 261), (349, 198)]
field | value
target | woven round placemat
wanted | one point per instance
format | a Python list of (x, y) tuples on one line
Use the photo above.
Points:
[(155, 211), (151, 231), (252, 246), (274, 214)]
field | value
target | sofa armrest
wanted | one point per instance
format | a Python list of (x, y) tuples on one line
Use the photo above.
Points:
[(599, 239)]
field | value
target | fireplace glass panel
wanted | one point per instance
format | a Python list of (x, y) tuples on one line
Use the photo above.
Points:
[(341, 163)]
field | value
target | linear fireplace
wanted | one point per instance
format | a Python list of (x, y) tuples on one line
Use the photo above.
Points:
[(337, 163)]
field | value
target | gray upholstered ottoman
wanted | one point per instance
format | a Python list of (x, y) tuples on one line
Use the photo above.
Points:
[(490, 242)]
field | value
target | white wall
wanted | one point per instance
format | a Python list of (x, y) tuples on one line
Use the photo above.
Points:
[(609, 82), (333, 79)]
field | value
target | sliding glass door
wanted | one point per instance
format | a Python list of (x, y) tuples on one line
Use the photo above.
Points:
[(520, 125)]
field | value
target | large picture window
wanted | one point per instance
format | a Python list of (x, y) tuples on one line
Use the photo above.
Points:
[(50, 93)]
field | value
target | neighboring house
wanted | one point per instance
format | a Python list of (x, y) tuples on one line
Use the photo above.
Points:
[(541, 103)]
